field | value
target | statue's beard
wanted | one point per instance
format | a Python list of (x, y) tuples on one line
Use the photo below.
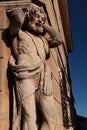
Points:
[(35, 28)]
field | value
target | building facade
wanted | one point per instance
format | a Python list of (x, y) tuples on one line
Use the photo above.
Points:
[(58, 17)]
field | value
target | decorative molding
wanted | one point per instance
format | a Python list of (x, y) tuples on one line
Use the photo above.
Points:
[(14, 3)]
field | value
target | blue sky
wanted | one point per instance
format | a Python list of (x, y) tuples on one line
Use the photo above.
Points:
[(78, 58)]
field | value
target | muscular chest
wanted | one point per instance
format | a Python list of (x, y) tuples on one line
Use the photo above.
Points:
[(40, 47), (30, 46)]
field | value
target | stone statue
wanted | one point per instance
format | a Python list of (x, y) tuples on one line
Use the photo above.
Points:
[(32, 75)]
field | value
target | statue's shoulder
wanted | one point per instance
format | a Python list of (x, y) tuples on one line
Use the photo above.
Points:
[(23, 35)]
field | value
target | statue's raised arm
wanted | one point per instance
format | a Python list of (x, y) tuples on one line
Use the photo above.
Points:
[(16, 18), (55, 38)]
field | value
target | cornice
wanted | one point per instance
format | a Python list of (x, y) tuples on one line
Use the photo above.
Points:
[(14, 3)]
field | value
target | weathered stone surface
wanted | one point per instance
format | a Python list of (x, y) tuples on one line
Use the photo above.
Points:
[(6, 77)]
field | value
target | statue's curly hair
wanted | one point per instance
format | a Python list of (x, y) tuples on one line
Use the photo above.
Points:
[(31, 11), (21, 16)]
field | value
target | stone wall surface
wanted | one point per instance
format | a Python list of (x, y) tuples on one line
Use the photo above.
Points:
[(4, 55)]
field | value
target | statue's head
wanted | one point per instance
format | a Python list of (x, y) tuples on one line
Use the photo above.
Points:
[(29, 18), (34, 20)]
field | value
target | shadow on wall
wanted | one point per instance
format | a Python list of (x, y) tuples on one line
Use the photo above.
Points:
[(7, 42)]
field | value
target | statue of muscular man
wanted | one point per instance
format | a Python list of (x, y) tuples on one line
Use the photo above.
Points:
[(28, 63)]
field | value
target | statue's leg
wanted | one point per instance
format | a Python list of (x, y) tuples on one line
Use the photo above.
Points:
[(29, 113), (49, 112)]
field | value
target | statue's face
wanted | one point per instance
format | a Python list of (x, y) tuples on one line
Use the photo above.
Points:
[(36, 23)]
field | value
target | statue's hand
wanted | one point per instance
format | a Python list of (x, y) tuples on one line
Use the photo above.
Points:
[(11, 60), (46, 26), (47, 89)]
